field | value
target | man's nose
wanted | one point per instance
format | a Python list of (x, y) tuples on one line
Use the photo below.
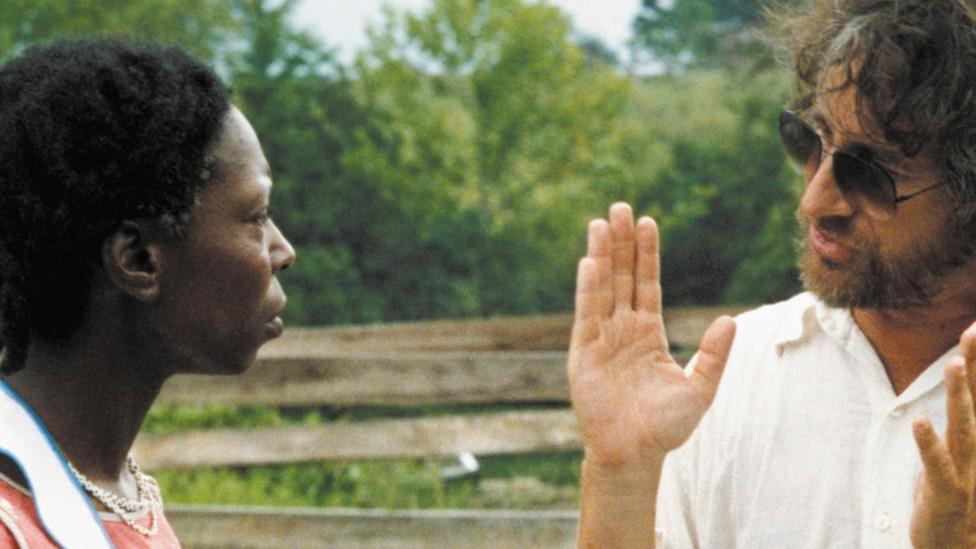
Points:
[(822, 196)]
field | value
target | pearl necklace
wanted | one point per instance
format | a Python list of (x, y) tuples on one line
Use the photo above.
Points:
[(146, 488)]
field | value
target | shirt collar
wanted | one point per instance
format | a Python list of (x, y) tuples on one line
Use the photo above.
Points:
[(810, 314), (802, 320)]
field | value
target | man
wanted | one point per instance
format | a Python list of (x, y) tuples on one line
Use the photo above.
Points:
[(823, 432)]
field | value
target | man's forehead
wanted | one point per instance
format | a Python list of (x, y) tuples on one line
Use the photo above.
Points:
[(836, 111), (845, 121)]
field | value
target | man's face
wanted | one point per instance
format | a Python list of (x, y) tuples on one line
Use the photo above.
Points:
[(852, 259)]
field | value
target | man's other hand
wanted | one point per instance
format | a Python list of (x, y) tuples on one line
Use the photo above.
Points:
[(944, 516)]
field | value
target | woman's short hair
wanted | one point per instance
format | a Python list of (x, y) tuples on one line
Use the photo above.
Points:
[(94, 132)]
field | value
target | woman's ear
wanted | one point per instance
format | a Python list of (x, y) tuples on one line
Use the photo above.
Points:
[(130, 257)]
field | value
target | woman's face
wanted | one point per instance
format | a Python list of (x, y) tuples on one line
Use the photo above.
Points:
[(220, 297)]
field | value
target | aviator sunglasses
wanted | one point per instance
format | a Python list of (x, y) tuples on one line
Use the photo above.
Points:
[(859, 179)]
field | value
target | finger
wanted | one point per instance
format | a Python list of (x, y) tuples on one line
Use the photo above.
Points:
[(967, 347), (648, 283), (622, 234), (712, 355), (967, 343), (939, 470), (586, 324), (599, 248), (961, 426)]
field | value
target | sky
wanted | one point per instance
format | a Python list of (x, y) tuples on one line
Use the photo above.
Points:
[(342, 23)]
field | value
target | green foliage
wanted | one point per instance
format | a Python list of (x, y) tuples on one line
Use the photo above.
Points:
[(703, 33), (169, 419), (493, 121), (201, 27), (394, 484), (701, 154)]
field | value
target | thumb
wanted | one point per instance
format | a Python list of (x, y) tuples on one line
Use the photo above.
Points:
[(712, 354)]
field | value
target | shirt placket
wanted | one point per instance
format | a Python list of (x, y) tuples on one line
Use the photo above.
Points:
[(892, 459)]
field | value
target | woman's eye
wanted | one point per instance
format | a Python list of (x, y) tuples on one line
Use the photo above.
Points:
[(262, 218)]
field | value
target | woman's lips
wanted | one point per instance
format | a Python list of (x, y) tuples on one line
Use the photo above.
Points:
[(831, 250), (275, 326)]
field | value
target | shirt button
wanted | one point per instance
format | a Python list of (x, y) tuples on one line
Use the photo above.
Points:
[(882, 521), (898, 412)]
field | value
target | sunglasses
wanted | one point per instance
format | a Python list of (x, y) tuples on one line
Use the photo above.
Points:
[(860, 180)]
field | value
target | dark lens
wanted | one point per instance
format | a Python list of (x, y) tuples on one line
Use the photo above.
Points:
[(800, 141), (862, 179)]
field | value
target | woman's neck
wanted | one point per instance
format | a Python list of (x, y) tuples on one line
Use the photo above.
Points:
[(92, 398)]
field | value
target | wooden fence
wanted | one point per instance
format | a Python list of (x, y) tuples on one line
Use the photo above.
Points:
[(500, 360)]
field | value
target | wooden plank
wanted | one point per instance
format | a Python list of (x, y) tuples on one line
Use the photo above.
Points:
[(403, 379), (687, 325), (277, 528), (537, 333), (502, 433)]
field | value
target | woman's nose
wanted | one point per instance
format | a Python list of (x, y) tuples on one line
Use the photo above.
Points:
[(282, 253)]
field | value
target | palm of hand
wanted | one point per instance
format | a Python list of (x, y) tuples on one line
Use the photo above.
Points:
[(640, 401), (932, 524), (633, 401)]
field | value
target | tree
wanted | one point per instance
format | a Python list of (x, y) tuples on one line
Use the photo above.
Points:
[(300, 102), (201, 27), (496, 124), (713, 33)]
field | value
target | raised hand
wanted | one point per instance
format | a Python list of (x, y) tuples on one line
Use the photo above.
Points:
[(944, 516), (633, 401)]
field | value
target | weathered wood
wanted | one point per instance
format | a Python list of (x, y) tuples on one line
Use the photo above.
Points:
[(537, 333), (277, 528), (404, 379), (502, 433), (687, 325), (409, 364)]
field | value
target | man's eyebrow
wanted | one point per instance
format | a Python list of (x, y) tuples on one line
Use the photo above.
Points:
[(889, 156)]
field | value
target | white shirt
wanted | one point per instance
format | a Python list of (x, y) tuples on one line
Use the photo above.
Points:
[(806, 444)]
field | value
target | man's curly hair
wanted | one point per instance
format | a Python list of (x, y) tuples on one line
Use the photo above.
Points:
[(92, 133), (913, 65)]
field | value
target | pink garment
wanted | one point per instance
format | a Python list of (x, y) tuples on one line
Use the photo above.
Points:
[(20, 505)]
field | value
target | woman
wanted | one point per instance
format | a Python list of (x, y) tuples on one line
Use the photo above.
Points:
[(135, 244)]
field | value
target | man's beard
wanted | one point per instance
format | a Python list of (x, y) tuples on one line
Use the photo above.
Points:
[(869, 280)]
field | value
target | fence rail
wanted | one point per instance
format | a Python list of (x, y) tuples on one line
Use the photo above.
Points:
[(382, 379), (204, 527), (502, 433)]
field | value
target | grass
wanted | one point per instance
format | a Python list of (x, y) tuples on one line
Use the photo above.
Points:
[(525, 481)]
